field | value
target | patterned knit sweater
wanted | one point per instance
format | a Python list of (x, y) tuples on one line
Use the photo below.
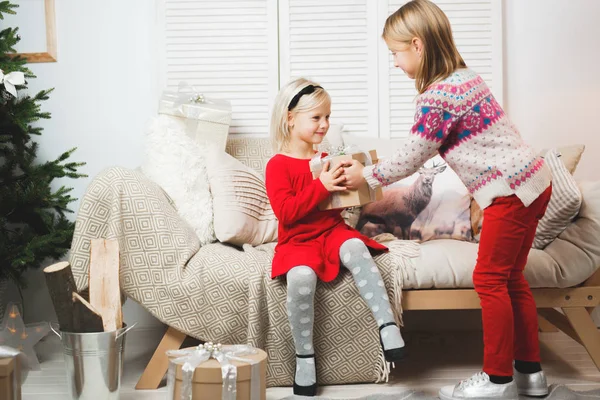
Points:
[(460, 119)]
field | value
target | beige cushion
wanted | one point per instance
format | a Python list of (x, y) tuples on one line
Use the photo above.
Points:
[(575, 253), (255, 152), (570, 155), (242, 212), (566, 262), (252, 152)]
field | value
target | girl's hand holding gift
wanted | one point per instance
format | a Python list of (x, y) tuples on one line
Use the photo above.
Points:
[(353, 173), (332, 178)]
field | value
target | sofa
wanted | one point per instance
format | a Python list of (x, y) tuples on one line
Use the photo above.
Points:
[(222, 292)]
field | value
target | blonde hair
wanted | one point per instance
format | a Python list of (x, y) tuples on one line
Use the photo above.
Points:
[(280, 131), (425, 20)]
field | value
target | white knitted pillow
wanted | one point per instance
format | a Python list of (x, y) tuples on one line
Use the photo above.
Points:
[(241, 208), (177, 163), (564, 203)]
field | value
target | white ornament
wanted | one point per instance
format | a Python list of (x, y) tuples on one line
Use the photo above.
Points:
[(11, 80)]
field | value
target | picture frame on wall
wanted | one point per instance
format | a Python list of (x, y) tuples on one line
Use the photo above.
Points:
[(36, 20)]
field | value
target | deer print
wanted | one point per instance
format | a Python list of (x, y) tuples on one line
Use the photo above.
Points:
[(445, 229), (466, 232), (416, 234), (399, 207)]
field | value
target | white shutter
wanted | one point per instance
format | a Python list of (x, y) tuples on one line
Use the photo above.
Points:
[(334, 43), (244, 51), (477, 29), (227, 49)]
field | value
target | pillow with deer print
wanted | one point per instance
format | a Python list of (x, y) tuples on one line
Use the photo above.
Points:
[(431, 204)]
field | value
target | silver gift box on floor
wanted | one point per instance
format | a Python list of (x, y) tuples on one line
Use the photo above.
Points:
[(206, 119)]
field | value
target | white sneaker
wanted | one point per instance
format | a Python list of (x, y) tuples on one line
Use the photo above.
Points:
[(531, 384), (480, 387)]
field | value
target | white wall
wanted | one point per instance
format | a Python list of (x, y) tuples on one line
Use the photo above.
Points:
[(106, 88), (106, 91), (552, 79)]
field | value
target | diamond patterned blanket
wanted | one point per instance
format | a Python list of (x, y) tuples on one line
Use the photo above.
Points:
[(222, 293)]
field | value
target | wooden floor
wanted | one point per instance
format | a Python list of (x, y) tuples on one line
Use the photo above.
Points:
[(434, 360)]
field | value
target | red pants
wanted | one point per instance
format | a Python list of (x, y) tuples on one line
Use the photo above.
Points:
[(510, 327)]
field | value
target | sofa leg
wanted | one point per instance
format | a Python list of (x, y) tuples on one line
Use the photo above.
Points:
[(586, 329), (560, 321), (545, 325), (159, 363)]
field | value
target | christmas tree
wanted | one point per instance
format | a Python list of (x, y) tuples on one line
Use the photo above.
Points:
[(33, 225)]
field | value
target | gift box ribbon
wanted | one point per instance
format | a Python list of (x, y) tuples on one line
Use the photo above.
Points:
[(189, 102), (192, 358), (189, 94)]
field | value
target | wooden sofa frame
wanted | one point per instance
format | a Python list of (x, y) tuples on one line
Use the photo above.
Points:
[(576, 303)]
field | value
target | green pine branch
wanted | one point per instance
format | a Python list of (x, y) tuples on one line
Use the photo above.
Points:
[(7, 8), (9, 37), (33, 222)]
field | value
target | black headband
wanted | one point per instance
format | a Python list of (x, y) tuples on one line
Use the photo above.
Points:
[(307, 90)]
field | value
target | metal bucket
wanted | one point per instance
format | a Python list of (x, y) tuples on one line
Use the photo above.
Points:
[(94, 363)]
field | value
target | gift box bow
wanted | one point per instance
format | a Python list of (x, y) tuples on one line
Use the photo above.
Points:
[(189, 102), (192, 358), (318, 160)]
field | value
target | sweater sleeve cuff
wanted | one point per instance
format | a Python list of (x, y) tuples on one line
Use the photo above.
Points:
[(368, 175)]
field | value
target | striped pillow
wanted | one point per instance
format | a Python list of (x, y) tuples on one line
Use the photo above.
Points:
[(242, 212), (564, 203)]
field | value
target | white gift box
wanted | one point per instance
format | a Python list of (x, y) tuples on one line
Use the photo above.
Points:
[(206, 119)]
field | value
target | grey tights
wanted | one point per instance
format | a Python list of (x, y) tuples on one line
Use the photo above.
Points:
[(302, 282)]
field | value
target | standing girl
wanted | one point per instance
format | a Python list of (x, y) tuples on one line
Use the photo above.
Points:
[(313, 243), (458, 117)]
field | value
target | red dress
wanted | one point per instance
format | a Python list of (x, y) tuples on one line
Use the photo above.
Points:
[(307, 236)]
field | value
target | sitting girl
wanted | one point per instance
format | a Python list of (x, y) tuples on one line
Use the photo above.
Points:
[(312, 244)]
